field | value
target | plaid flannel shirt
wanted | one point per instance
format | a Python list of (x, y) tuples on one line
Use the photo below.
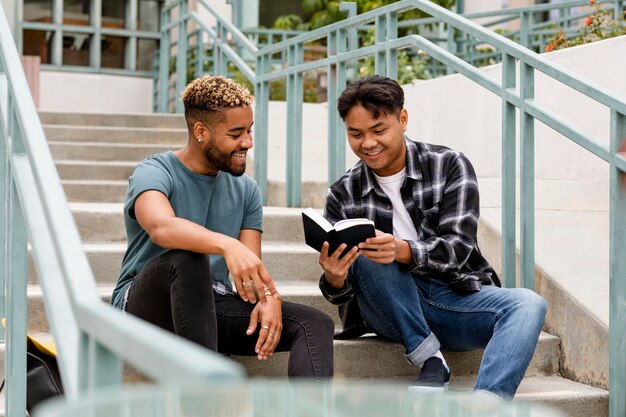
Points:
[(440, 192)]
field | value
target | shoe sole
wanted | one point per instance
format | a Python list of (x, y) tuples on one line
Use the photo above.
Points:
[(428, 390)]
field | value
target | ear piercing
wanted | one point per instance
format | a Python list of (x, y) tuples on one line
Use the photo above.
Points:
[(199, 139)]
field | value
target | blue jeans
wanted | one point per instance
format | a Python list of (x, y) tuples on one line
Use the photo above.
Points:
[(425, 315)]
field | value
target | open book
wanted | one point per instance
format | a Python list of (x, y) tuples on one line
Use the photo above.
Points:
[(318, 230)]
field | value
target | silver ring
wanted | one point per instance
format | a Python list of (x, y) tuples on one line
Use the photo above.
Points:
[(248, 283)]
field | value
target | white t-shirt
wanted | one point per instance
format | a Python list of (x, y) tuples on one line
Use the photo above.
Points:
[(403, 227)]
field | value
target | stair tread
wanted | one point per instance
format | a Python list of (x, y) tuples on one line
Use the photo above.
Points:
[(76, 143), (115, 128), (95, 182), (94, 162)]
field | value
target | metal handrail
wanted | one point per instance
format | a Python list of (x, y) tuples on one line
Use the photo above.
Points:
[(93, 338), (385, 24)]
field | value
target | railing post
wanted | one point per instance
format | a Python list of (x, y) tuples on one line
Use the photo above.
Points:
[(103, 368), (392, 54), (16, 273), (261, 104), (336, 75), (199, 54), (527, 178), (618, 12), (5, 183), (95, 46), (164, 63), (56, 43), (508, 172), (221, 67), (295, 91), (617, 275), (380, 63), (181, 56), (350, 8), (526, 21), (452, 46)]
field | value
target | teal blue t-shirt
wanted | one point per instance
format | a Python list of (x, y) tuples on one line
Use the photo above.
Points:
[(223, 203)]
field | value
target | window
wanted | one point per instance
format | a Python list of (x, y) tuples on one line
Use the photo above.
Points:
[(118, 36)]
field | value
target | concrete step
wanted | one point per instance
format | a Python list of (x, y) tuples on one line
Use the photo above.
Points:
[(101, 151), (372, 357), (105, 222), (571, 398), (285, 263), (307, 294), (95, 191), (150, 120), (366, 357), (95, 170), (134, 135)]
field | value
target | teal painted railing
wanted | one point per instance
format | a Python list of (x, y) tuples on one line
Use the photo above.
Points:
[(92, 337), (226, 40), (533, 32)]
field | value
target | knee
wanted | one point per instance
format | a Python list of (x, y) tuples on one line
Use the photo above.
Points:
[(532, 304), (310, 321), (368, 271), (185, 258), (323, 324), (187, 266)]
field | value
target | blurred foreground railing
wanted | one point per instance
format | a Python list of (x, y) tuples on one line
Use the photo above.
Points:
[(260, 398), (92, 337)]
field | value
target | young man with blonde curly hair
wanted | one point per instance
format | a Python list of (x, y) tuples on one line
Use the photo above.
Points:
[(192, 218)]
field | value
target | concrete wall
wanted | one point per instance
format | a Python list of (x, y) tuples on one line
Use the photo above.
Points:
[(314, 142), (94, 93), (219, 6), (457, 112)]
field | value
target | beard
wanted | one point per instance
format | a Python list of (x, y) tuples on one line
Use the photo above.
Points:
[(221, 160)]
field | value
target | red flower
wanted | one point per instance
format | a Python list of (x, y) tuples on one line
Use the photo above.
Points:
[(592, 2), (549, 47), (588, 21)]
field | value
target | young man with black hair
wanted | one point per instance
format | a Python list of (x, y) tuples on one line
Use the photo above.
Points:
[(422, 280), (192, 218)]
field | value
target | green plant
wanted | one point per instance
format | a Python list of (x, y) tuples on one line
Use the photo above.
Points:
[(410, 66), (325, 12), (601, 24)]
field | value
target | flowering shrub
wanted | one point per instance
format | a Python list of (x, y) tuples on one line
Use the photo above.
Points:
[(601, 24)]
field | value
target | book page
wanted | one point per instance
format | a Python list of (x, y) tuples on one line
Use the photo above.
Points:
[(346, 223), (318, 218)]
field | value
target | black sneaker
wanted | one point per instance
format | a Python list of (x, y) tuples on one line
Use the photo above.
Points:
[(434, 377)]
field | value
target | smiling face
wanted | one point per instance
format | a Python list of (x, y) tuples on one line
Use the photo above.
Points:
[(226, 143), (378, 142)]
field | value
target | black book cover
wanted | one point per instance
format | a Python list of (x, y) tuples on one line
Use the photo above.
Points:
[(317, 230)]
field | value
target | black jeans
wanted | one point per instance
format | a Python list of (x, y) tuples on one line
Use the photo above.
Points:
[(175, 292)]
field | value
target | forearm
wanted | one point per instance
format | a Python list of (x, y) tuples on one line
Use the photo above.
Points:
[(177, 233), (439, 254)]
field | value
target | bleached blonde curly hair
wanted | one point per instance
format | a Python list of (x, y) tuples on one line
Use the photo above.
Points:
[(206, 98)]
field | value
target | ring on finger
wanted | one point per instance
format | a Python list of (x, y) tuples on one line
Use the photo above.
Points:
[(265, 327), (271, 335), (248, 283)]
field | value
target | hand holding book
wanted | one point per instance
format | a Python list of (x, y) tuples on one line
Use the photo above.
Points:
[(318, 230)]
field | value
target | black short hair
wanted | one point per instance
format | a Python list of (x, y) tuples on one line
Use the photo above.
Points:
[(376, 93)]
